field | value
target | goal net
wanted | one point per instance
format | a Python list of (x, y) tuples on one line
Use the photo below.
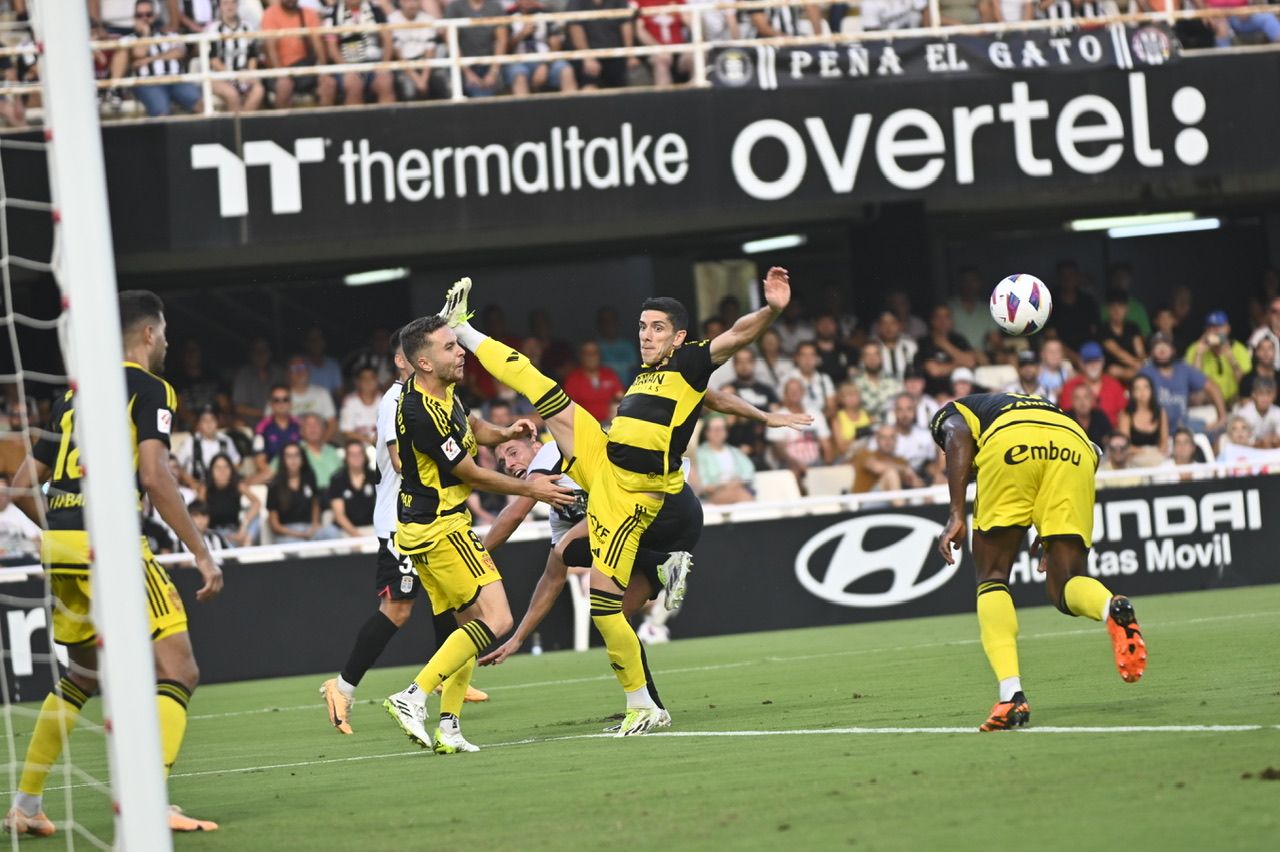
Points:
[(60, 323)]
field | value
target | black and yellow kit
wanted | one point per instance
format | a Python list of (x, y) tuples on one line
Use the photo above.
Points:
[(65, 549), (433, 524), (1035, 464)]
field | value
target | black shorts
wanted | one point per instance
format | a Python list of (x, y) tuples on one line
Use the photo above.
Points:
[(396, 578), (678, 526)]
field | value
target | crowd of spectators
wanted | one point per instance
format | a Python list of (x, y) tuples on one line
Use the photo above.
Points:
[(130, 20)]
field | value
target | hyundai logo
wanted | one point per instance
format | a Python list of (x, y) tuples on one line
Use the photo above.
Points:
[(905, 559)]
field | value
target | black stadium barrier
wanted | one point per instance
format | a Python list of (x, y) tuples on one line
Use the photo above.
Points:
[(300, 615)]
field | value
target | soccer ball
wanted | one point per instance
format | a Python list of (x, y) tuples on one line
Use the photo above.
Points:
[(1021, 304)]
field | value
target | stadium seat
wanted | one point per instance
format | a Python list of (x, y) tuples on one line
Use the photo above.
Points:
[(829, 481), (1203, 413), (995, 376), (1205, 445), (775, 486)]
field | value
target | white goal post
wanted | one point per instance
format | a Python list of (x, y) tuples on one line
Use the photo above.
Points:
[(85, 268)]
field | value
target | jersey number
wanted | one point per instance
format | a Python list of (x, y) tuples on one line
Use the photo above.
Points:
[(68, 464)]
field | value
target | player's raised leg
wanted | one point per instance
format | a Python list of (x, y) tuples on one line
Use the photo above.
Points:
[(1074, 592)]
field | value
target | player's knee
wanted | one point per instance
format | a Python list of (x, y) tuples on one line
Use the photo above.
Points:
[(500, 624), (397, 612)]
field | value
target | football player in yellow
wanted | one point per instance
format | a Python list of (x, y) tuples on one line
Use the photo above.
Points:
[(1035, 465), (437, 438), (628, 472)]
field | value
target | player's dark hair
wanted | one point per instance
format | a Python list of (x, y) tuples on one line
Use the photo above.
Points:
[(138, 307), (413, 337), (676, 313)]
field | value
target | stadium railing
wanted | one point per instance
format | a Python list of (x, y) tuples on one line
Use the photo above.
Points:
[(697, 45)]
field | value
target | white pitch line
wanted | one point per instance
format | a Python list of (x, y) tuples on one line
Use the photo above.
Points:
[(852, 652), (791, 732)]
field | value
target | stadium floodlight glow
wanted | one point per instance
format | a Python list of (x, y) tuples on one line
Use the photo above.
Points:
[(1208, 224), (1106, 223), (778, 243), (375, 276)]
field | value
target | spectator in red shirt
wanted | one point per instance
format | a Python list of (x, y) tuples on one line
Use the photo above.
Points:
[(1109, 394), (663, 28), (592, 385)]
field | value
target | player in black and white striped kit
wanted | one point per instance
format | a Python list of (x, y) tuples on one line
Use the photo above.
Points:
[(236, 52), (396, 580)]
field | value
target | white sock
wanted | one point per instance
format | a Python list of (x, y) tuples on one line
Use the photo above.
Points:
[(348, 690), (27, 803), (469, 337), (414, 695), (640, 698), (1106, 611), (449, 723), (1009, 687)]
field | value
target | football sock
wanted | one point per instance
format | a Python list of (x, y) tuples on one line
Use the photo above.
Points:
[(171, 703), (648, 679), (998, 625), (620, 641), (348, 690), (57, 719), (371, 641), (1086, 596), (640, 698), (443, 625), (455, 689), (518, 373), (462, 647), (1010, 687)]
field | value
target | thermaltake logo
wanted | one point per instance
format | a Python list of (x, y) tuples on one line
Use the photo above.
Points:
[(853, 558), (284, 169)]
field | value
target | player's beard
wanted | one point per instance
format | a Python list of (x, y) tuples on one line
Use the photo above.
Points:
[(157, 360)]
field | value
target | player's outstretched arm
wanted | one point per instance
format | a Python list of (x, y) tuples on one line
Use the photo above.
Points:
[(507, 520), (730, 403), (960, 449), (162, 488), (481, 479), (544, 596), (489, 435), (777, 295)]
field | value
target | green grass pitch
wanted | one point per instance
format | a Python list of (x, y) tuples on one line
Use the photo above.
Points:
[(262, 759)]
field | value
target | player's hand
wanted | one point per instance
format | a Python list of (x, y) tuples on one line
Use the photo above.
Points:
[(1037, 552), (497, 655), (546, 491), (212, 578), (522, 428), (952, 538), (777, 289), (778, 419)]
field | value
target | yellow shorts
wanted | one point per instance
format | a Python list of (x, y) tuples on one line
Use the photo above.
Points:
[(616, 518), (1034, 474), (453, 565), (66, 552)]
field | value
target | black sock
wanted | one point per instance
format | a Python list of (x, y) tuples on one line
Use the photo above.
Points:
[(648, 678), (444, 623), (370, 642)]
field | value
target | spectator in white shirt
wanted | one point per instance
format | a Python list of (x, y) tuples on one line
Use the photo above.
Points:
[(773, 367), (896, 350), (819, 390), (894, 14), (1269, 330), (307, 398), (359, 418), (206, 442), (1262, 414), (19, 535), (797, 450), (418, 43), (914, 441)]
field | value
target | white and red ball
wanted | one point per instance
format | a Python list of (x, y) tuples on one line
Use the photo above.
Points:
[(1021, 305)]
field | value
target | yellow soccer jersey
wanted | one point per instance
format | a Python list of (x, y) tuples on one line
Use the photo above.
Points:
[(432, 437), (656, 418), (988, 413)]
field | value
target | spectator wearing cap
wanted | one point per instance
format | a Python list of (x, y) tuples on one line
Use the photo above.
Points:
[(1108, 394), (1084, 411), (1120, 279), (897, 352), (1179, 385), (1223, 361), (942, 351), (1263, 358), (1121, 338), (1262, 414), (1028, 376), (1055, 369), (308, 398), (207, 441), (962, 383), (1269, 330), (876, 385)]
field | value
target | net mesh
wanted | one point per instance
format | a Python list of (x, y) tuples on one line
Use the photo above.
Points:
[(34, 367)]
